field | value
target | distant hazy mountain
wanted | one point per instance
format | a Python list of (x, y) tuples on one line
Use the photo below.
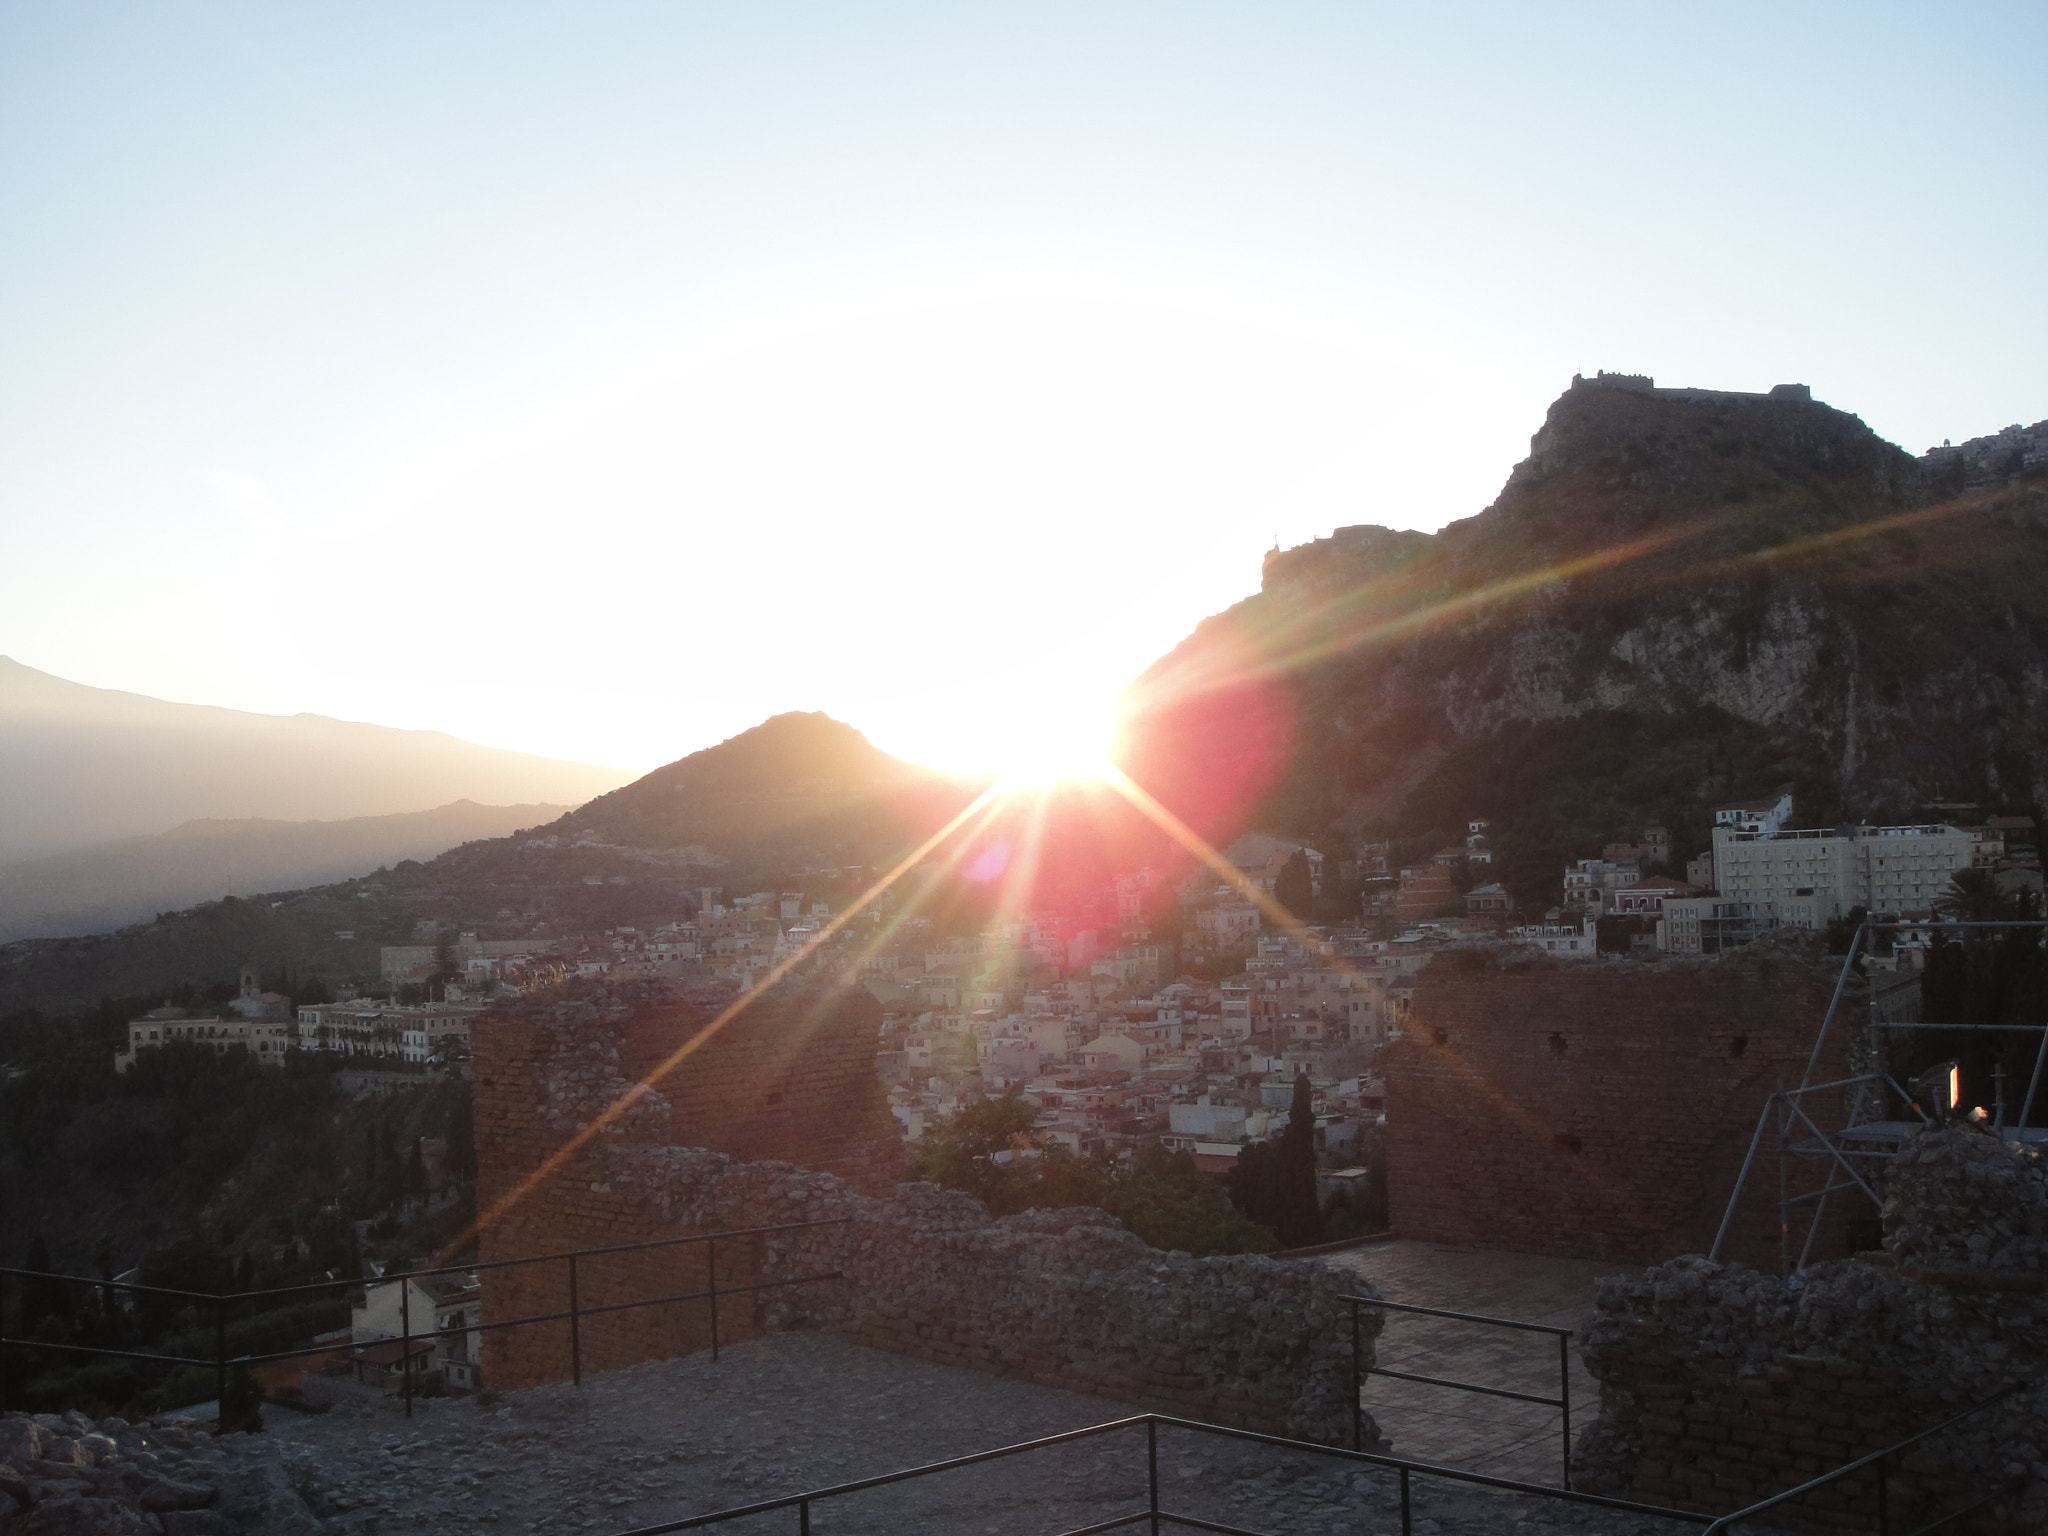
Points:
[(798, 788), (94, 890), (83, 766)]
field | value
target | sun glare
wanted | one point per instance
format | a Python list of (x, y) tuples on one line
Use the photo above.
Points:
[(1074, 747)]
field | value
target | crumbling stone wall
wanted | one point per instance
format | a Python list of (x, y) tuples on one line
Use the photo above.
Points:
[(556, 1083), (1602, 1109), (1721, 1385), (1063, 1298), (1066, 1298)]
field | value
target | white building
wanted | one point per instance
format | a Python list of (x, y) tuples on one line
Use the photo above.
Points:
[(1590, 884), (1647, 898), (1759, 818), (1579, 940), (1225, 925), (445, 1308), (1706, 925), (364, 1026), (1814, 874), (264, 1039), (1236, 1005)]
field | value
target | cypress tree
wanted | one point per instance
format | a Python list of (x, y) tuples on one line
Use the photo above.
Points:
[(1294, 886), (42, 1299), (1246, 1181), (1290, 1174)]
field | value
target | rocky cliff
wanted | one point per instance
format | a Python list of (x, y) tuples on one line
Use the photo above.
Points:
[(1762, 576)]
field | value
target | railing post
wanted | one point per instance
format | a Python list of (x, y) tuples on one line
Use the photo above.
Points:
[(803, 1517), (220, 1366), (1884, 1513), (1152, 1471), (1357, 1413), (711, 1268), (405, 1341), (1564, 1399), (1405, 1517), (575, 1329)]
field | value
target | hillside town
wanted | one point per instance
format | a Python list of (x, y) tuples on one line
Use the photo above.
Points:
[(1179, 1015)]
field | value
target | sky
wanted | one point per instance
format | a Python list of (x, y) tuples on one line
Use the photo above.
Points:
[(601, 379)]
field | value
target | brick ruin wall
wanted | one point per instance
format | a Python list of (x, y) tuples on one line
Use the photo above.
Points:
[(1721, 1385), (792, 1076), (1602, 1110), (1066, 1299)]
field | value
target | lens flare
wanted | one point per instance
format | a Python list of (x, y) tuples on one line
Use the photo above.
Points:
[(990, 863)]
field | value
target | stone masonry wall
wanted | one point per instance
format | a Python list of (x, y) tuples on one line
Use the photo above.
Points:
[(1066, 1299), (1063, 1298), (792, 1076), (1601, 1110), (1721, 1385)]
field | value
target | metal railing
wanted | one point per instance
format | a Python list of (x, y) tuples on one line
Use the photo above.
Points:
[(1864, 1093), (221, 1303), (1563, 1400), (1878, 1461), (1156, 1514)]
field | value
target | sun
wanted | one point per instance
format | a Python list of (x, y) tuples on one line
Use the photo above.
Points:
[(1051, 749)]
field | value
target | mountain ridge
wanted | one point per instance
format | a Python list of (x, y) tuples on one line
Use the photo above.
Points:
[(1830, 599), (83, 766), (102, 887), (1676, 596)]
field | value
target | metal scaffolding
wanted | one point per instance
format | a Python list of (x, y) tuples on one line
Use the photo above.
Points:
[(1857, 1152)]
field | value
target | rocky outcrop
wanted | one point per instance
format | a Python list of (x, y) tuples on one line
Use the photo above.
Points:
[(69, 1476), (1766, 556)]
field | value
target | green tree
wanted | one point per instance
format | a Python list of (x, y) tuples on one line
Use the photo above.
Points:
[(1294, 887), (1246, 1181), (41, 1299), (1972, 897), (959, 1153), (1163, 1199), (415, 1176), (1289, 1177), (1157, 1195), (462, 1135), (1274, 1182)]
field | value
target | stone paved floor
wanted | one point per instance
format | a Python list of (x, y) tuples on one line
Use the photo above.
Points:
[(1466, 1429), (794, 1411)]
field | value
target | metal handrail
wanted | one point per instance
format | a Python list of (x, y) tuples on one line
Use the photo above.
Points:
[(416, 1274), (1407, 1470), (219, 1302), (1562, 1402), (1154, 1511), (1876, 1459)]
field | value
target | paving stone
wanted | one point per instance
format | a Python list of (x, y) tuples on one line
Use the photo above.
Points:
[(803, 1410)]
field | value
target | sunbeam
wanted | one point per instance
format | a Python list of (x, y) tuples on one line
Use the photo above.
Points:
[(978, 808)]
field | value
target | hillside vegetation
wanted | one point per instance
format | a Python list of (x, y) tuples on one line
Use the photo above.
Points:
[(1673, 600), (91, 890), (105, 1169)]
